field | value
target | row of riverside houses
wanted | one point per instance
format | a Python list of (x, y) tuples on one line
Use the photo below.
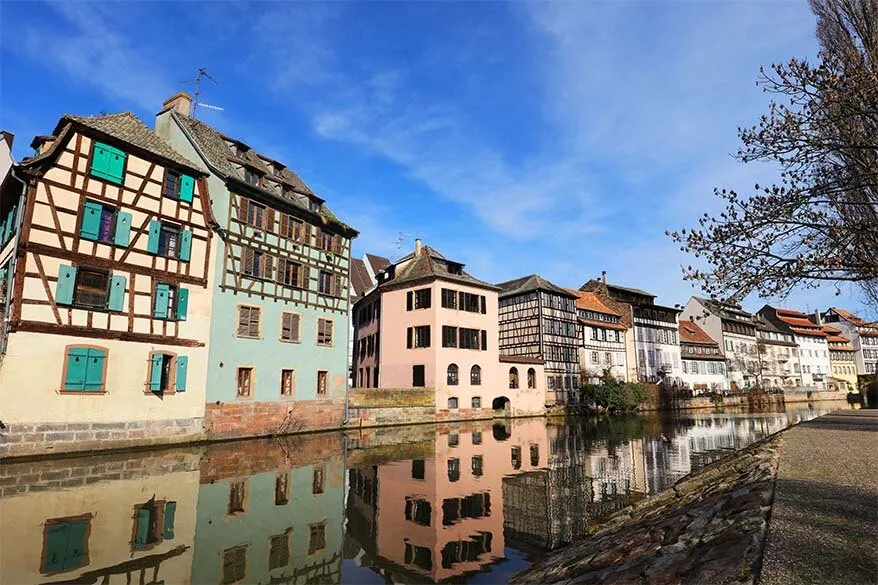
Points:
[(525, 344), (165, 285)]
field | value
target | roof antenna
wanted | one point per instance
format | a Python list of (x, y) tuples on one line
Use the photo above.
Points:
[(399, 240), (202, 74)]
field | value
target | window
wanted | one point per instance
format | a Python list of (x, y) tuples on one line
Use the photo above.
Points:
[(170, 303), (325, 241), (169, 240), (453, 438), (685, 367), (249, 321), (245, 381), (418, 468), (177, 186), (292, 228), (317, 538), (290, 273), (167, 372), (594, 357), (317, 478), (325, 282), (477, 435), (453, 376), (234, 564), (418, 336), (452, 403), (153, 523), (256, 263), (470, 302), (513, 377), (418, 376), (418, 511), (282, 489), (477, 466), (324, 332), (469, 338), (449, 299), (65, 544), (84, 369), (251, 177), (108, 163), (531, 378), (322, 382), (287, 382), (237, 497), (92, 288), (290, 327), (449, 336), (477, 402), (516, 457), (453, 469), (279, 551), (422, 298), (101, 223), (535, 455), (475, 376)]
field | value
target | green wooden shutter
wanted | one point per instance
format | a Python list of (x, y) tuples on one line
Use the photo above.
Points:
[(123, 229), (94, 370), (160, 307), (116, 166), (182, 303), (141, 532), (185, 245), (116, 301), (91, 220), (187, 188), (56, 548), (168, 523), (76, 368), (77, 537), (100, 160), (65, 285), (182, 370), (155, 228), (155, 372)]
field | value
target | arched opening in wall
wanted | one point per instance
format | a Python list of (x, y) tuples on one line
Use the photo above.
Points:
[(501, 433), (531, 378), (501, 406), (513, 377), (453, 375)]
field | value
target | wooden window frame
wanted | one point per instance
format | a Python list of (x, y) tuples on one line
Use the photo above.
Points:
[(238, 369), (311, 526), (292, 392), (79, 271), (86, 554), (298, 337), (245, 483), (282, 499), (331, 332), (160, 507), (222, 556), (326, 390), (172, 376), (286, 534), (91, 158), (170, 227), (176, 195), (70, 346), (238, 308)]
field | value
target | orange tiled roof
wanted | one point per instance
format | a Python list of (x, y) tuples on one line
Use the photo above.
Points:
[(834, 335), (692, 333), (799, 323), (871, 328), (590, 302)]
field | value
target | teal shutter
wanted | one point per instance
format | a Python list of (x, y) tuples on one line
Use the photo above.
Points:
[(94, 370), (187, 188), (100, 160), (91, 220), (155, 372), (56, 548), (116, 166), (182, 303), (76, 368), (141, 531), (160, 308), (185, 245), (182, 369), (155, 228), (77, 536), (123, 229), (116, 301), (168, 524), (64, 287)]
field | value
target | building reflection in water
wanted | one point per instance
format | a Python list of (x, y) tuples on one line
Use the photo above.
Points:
[(410, 504)]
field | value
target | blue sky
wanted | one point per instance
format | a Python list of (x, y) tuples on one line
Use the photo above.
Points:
[(561, 138)]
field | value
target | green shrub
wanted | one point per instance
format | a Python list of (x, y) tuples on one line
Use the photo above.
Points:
[(615, 395)]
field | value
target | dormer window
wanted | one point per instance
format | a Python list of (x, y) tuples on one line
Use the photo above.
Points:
[(239, 150), (313, 205), (251, 177)]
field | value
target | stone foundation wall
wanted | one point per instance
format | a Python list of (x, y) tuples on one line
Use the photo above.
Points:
[(34, 439), (233, 420)]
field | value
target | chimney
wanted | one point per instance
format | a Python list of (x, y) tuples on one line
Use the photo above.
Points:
[(418, 247), (817, 318), (604, 276), (180, 101)]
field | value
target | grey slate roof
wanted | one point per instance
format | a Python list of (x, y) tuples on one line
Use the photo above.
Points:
[(431, 263), (727, 311), (636, 291), (531, 283), (127, 128), (377, 263)]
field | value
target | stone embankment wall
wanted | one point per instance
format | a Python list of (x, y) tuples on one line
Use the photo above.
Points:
[(656, 402)]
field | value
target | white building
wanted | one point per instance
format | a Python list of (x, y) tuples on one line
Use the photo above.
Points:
[(601, 338), (811, 339), (735, 330), (703, 363), (780, 357), (863, 336)]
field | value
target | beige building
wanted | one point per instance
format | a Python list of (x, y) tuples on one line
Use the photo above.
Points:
[(843, 375), (109, 318)]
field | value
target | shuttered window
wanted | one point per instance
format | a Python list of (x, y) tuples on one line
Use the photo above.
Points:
[(257, 264), (292, 228), (248, 321), (66, 544), (290, 327), (322, 382), (170, 302), (245, 381), (324, 283), (84, 369), (108, 163), (287, 381), (91, 289), (289, 273), (324, 332)]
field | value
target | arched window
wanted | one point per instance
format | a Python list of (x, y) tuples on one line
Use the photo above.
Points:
[(531, 378), (452, 375), (513, 377), (475, 376)]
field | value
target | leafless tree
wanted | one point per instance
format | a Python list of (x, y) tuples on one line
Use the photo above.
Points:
[(819, 222)]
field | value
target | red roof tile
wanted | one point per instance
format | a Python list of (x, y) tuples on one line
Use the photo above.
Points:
[(692, 333)]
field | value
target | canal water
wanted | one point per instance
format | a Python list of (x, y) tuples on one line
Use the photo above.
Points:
[(466, 502)]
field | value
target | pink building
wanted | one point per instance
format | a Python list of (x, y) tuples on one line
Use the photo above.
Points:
[(429, 324)]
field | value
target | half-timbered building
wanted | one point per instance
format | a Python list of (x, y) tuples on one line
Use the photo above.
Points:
[(601, 338), (11, 197), (278, 360), (110, 307), (704, 367), (538, 319)]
